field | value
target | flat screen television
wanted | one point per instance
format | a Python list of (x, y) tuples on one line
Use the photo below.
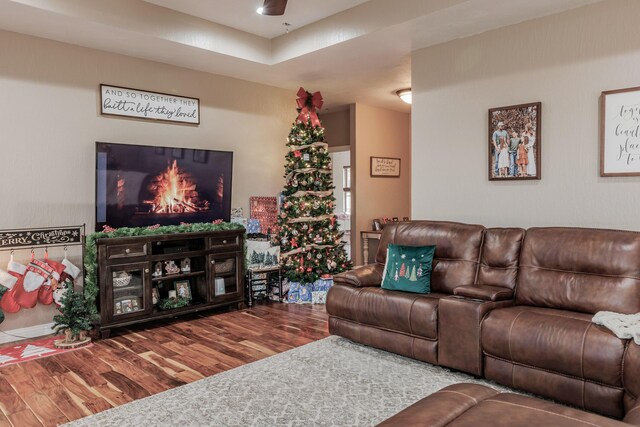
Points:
[(138, 185)]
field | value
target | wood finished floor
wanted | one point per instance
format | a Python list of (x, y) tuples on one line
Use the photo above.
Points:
[(145, 360)]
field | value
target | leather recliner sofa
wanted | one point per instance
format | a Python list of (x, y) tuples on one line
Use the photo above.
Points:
[(512, 305)]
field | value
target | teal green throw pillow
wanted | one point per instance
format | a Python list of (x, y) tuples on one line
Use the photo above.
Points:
[(408, 268)]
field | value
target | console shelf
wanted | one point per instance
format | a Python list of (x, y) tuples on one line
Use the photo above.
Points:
[(169, 277), (129, 291)]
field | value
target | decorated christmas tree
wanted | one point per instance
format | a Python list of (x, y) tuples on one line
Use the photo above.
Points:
[(310, 239)]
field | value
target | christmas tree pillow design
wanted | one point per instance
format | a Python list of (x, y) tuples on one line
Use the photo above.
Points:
[(408, 268)]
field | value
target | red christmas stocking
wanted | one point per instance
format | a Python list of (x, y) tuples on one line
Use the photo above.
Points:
[(67, 278), (45, 293), (38, 272), (7, 280), (8, 303)]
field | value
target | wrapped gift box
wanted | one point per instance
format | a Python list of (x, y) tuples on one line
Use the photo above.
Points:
[(253, 226), (319, 297)]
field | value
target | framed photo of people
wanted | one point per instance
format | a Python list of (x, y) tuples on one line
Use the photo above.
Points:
[(514, 142), (620, 132)]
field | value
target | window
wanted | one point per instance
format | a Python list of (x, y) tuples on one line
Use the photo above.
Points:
[(346, 182)]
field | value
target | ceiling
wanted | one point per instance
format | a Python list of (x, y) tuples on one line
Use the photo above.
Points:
[(240, 14), (351, 50)]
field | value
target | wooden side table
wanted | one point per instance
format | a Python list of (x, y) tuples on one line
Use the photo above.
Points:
[(364, 237)]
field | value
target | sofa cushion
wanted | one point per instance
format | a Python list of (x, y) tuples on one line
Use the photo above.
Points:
[(408, 268), (499, 259), (457, 249), (558, 341), (586, 270), (412, 314)]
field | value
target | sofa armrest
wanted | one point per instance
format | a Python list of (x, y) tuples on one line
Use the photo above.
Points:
[(633, 415), (631, 381), (484, 292), (362, 277)]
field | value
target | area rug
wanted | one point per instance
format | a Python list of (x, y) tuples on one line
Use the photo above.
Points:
[(331, 382), (29, 350)]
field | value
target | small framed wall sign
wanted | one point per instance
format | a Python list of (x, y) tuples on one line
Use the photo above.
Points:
[(140, 104), (620, 132), (385, 167)]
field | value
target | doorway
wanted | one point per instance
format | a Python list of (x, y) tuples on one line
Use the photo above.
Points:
[(342, 181)]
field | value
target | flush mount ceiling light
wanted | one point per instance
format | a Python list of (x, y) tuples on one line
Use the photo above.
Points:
[(405, 95)]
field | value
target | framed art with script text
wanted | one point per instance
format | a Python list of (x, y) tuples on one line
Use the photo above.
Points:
[(514, 142), (385, 167), (620, 132), (141, 104)]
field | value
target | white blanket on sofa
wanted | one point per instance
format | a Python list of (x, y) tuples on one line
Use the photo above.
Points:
[(624, 326)]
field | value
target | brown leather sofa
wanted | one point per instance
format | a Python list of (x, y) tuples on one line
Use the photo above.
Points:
[(511, 305)]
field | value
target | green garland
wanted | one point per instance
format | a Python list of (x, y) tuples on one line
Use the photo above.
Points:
[(171, 303), (91, 250)]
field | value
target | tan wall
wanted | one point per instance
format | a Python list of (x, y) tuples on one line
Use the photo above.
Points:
[(337, 127), (381, 133), (564, 61), (49, 122)]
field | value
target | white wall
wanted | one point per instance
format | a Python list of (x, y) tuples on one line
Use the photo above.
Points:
[(49, 122), (565, 61)]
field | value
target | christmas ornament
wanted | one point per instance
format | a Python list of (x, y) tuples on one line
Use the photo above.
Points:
[(171, 268)]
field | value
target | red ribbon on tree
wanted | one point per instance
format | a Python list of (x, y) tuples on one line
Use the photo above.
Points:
[(308, 103)]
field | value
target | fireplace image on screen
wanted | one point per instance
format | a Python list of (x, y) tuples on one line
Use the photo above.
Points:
[(142, 185)]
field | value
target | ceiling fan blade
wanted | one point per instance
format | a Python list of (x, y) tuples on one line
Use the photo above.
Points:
[(274, 7)]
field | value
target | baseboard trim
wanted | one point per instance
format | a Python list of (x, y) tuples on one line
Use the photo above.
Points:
[(25, 333)]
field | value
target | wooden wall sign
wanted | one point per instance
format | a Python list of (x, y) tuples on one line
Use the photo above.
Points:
[(385, 167), (620, 132), (140, 104)]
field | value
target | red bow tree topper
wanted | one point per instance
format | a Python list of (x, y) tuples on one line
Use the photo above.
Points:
[(307, 104)]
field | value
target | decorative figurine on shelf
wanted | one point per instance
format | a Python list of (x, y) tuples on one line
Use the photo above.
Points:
[(171, 268), (155, 296), (185, 265), (157, 272)]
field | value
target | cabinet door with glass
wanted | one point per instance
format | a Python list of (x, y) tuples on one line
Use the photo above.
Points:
[(128, 290), (225, 271)]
